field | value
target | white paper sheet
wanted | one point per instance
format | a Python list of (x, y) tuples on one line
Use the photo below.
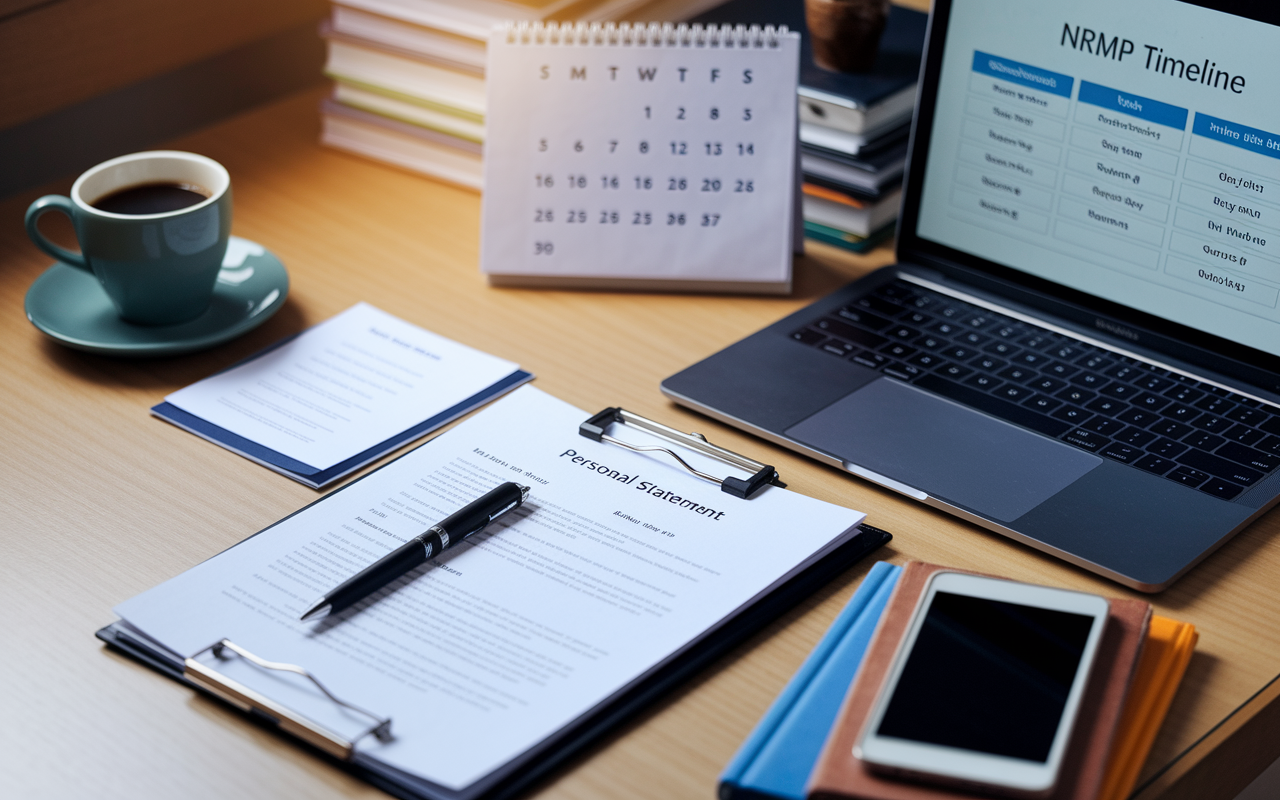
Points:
[(615, 562), (342, 387)]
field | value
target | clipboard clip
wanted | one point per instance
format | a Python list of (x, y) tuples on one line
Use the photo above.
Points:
[(255, 704), (595, 428)]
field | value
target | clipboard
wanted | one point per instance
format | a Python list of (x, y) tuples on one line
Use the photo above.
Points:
[(762, 474), (540, 761), (251, 702)]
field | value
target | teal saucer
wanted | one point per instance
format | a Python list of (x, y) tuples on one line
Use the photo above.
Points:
[(69, 306)]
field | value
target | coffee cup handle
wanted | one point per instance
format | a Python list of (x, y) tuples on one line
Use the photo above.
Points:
[(53, 202)]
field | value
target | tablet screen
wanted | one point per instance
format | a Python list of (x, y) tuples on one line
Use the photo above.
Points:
[(988, 676)]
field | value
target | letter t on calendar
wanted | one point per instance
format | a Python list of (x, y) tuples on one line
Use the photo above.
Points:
[(647, 157)]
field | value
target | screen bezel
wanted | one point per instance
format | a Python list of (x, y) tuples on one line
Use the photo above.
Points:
[(953, 764), (1232, 359)]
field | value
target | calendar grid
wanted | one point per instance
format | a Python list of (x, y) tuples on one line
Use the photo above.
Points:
[(641, 153)]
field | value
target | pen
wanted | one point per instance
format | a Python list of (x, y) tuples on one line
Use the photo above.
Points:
[(470, 519)]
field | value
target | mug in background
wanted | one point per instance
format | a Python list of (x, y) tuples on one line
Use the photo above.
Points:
[(845, 34), (157, 268)]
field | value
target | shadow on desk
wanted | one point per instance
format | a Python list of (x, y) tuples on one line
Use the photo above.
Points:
[(1178, 724), (1206, 577), (169, 373), (819, 272)]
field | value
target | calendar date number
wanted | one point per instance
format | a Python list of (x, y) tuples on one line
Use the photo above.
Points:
[(676, 147), (609, 216)]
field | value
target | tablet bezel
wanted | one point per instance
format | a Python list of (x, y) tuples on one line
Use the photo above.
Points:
[(967, 767)]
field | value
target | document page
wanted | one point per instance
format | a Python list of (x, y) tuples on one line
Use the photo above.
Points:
[(342, 387), (615, 562)]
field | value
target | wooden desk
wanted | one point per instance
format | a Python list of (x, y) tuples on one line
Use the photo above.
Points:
[(100, 501)]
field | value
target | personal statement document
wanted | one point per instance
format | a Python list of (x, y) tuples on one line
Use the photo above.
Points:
[(616, 561), (342, 386)]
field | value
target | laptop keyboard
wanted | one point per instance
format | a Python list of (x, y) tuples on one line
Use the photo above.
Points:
[(1118, 407)]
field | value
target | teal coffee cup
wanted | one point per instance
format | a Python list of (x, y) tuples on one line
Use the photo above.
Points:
[(152, 229)]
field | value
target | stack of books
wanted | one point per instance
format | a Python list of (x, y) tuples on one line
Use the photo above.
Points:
[(802, 748), (409, 74), (409, 89), (853, 128)]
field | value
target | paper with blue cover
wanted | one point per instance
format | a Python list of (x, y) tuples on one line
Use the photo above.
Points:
[(777, 757), (324, 403)]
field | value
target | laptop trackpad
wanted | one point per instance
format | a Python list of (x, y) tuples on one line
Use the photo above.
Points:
[(947, 450)]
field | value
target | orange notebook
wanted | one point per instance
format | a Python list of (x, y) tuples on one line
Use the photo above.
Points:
[(839, 776), (1164, 661), (813, 190)]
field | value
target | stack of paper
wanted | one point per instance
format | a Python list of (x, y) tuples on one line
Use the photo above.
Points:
[(409, 74), (350, 390)]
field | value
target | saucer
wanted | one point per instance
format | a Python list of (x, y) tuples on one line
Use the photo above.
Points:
[(69, 306)]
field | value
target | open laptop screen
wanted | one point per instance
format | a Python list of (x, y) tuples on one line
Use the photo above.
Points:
[(1127, 150)]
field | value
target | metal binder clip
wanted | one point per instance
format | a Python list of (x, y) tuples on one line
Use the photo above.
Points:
[(595, 427), (246, 699)]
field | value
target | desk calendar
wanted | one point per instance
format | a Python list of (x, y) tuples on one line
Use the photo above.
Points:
[(640, 156)]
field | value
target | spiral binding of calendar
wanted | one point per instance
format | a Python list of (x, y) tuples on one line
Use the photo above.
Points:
[(644, 34)]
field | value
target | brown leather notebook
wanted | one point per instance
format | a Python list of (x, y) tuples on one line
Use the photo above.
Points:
[(838, 775)]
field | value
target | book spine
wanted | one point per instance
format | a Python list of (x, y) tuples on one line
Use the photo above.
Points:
[(747, 754)]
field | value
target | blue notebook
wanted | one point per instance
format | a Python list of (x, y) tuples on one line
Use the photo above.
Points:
[(316, 477), (775, 760)]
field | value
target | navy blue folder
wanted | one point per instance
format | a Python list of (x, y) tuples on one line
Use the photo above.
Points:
[(317, 478), (312, 476)]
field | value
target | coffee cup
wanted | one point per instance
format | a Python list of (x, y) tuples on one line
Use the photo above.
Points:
[(152, 228)]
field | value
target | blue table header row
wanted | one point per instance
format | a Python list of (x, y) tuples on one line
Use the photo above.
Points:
[(1134, 105), (1259, 141), (1025, 74)]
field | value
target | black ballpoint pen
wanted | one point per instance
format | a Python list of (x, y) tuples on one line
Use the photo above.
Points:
[(470, 519)]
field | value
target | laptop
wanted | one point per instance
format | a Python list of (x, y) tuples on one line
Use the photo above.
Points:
[(1079, 344)]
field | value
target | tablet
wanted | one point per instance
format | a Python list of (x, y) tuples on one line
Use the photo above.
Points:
[(984, 689)]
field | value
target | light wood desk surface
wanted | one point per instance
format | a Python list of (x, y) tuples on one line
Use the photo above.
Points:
[(100, 501)]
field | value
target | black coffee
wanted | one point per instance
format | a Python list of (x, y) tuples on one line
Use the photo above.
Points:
[(151, 198)]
